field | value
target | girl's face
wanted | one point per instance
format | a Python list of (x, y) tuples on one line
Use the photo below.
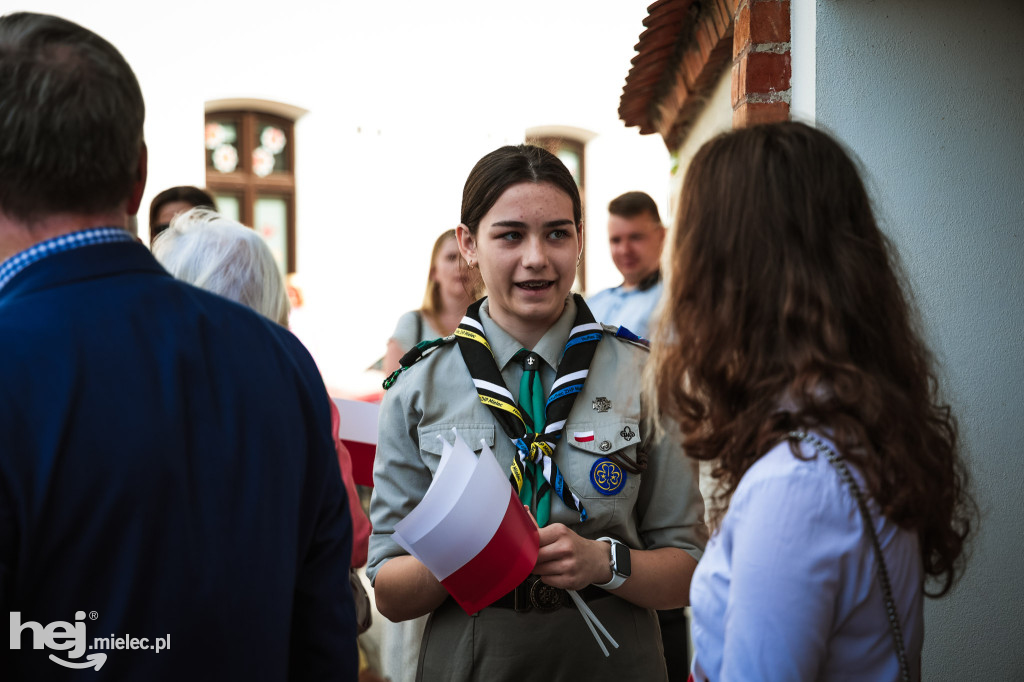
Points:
[(446, 272), (526, 247)]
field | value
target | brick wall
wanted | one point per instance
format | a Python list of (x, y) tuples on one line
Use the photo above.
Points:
[(683, 52), (762, 66)]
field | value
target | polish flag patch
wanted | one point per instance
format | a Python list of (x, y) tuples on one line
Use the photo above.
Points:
[(583, 436)]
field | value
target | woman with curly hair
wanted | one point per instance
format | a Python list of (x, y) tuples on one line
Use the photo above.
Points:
[(790, 355)]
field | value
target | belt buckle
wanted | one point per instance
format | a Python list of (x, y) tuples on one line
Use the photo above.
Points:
[(544, 597)]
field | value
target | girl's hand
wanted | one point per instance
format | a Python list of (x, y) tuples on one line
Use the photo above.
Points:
[(569, 561)]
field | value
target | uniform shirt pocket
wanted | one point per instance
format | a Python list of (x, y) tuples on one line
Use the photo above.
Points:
[(590, 464), (433, 437)]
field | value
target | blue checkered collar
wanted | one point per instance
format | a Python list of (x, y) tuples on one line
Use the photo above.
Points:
[(65, 242)]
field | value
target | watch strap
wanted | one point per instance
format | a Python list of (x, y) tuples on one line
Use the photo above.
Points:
[(617, 580)]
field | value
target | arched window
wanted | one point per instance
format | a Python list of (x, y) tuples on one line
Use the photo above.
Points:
[(250, 170), (569, 145)]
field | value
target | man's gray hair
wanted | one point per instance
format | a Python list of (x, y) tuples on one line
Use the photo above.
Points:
[(204, 248), (71, 118)]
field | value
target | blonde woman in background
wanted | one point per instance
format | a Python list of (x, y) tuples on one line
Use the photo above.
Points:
[(451, 287)]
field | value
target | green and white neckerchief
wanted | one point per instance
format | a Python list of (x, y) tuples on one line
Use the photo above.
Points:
[(532, 447), (535, 491)]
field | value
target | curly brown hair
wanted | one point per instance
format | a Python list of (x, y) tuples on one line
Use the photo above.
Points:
[(785, 310)]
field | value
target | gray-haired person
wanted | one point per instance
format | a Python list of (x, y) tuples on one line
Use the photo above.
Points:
[(214, 253)]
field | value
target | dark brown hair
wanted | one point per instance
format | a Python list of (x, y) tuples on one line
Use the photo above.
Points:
[(71, 117), (784, 291), (198, 198), (632, 204), (511, 165)]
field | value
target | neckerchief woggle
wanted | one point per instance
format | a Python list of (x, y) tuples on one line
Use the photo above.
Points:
[(569, 379)]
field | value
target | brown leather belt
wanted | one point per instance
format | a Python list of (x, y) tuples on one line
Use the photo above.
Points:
[(534, 595)]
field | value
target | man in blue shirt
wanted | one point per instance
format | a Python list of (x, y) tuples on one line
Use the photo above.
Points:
[(636, 237), (170, 501)]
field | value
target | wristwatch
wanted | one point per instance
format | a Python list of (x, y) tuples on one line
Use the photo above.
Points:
[(619, 563)]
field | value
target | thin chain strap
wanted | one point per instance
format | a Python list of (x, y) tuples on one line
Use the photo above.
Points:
[(883, 573)]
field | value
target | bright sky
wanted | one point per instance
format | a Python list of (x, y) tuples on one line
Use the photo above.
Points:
[(403, 97)]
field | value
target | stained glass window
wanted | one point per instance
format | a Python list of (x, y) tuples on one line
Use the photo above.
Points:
[(250, 158), (229, 205), (271, 221), (222, 145), (269, 150)]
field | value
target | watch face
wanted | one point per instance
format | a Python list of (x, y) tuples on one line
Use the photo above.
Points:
[(621, 559)]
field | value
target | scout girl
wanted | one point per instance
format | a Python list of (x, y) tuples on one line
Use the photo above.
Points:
[(556, 396)]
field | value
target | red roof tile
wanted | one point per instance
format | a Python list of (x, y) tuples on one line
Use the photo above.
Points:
[(661, 77)]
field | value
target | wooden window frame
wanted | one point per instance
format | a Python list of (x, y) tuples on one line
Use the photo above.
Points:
[(245, 183)]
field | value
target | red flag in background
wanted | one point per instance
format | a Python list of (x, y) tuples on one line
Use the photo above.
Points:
[(470, 529), (358, 431)]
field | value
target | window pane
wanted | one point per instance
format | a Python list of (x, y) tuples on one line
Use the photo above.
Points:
[(572, 161), (222, 145), (271, 222), (229, 206), (270, 153)]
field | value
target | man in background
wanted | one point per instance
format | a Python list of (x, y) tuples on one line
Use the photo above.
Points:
[(636, 237), (170, 501)]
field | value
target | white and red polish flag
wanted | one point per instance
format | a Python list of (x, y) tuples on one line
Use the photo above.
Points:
[(358, 431), (583, 436), (470, 529)]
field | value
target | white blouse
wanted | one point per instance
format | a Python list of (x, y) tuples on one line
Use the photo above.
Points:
[(787, 588)]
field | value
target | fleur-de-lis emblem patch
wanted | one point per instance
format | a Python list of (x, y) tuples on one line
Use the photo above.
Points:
[(602, 404), (627, 433)]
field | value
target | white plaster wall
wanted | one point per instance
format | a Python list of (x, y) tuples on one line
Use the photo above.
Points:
[(403, 98), (802, 46), (715, 118), (929, 95)]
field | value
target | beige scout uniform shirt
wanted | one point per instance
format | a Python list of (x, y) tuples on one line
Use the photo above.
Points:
[(661, 507)]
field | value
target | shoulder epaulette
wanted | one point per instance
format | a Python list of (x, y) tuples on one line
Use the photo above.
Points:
[(626, 335), (417, 353)]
